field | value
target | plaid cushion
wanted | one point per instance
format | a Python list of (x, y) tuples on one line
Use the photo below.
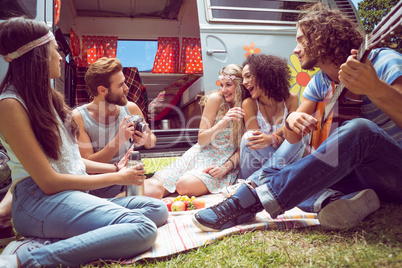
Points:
[(137, 90)]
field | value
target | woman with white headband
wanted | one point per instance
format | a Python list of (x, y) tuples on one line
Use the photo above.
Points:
[(62, 223), (212, 163)]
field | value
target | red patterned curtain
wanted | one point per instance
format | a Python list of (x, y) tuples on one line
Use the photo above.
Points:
[(167, 56), (191, 61), (57, 6), (95, 47), (75, 48)]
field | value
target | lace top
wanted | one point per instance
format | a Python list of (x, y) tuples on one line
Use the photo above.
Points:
[(265, 127)]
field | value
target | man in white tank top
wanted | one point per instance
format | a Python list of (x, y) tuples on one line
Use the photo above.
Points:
[(105, 133)]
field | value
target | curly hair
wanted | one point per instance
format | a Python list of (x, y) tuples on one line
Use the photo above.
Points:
[(328, 34), (271, 74)]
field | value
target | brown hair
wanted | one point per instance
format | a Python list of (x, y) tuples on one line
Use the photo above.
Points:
[(99, 73), (30, 76), (271, 74), (328, 34)]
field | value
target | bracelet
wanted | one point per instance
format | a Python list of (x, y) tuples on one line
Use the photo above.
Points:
[(234, 166), (287, 124), (279, 141), (276, 142), (117, 167)]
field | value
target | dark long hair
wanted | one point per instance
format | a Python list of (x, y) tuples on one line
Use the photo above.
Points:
[(29, 74), (271, 74)]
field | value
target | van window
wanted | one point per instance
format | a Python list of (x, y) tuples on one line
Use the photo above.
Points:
[(16, 8), (281, 12), (137, 53)]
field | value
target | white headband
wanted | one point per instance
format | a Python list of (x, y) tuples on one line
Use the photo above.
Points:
[(232, 77), (31, 45)]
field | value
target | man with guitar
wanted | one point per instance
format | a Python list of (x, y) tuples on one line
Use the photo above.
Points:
[(344, 176)]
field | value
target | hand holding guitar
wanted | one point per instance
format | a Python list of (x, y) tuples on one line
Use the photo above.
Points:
[(359, 77)]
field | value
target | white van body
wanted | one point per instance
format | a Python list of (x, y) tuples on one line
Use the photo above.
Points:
[(224, 38), (228, 29)]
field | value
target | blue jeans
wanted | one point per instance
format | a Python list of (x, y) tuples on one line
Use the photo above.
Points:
[(358, 155), (82, 227), (253, 161)]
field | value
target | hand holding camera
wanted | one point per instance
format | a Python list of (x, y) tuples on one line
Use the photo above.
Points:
[(139, 125), (141, 134)]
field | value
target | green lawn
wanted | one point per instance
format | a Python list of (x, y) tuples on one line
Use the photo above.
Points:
[(154, 164), (376, 242)]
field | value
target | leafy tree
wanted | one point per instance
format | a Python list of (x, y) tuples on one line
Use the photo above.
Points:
[(372, 11)]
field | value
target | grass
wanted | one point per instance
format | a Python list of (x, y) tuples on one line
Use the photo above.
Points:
[(375, 242), (154, 164)]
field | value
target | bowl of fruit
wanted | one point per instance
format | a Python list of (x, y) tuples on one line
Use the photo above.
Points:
[(183, 204)]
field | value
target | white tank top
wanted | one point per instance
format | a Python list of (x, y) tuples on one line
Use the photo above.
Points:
[(265, 127), (69, 162)]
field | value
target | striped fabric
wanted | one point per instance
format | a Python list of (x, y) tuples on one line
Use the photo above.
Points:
[(388, 64), (180, 234)]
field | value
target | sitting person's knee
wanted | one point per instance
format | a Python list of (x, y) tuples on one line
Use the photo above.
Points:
[(243, 147), (154, 188), (247, 135), (186, 184), (183, 187), (360, 125)]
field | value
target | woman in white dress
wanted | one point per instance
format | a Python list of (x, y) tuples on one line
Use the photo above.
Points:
[(212, 163)]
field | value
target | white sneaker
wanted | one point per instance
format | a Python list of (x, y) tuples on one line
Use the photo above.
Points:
[(31, 243), (231, 189), (349, 210)]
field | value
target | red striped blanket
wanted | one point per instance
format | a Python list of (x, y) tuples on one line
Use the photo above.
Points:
[(180, 234)]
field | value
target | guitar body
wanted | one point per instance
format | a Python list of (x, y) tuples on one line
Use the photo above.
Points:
[(347, 108), (324, 128)]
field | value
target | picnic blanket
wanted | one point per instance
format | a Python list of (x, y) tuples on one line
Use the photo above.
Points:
[(179, 234)]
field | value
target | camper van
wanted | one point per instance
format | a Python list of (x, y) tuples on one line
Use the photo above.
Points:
[(171, 50)]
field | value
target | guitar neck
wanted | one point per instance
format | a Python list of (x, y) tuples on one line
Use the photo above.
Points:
[(362, 55), (364, 50)]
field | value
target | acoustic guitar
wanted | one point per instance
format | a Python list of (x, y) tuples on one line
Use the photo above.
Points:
[(340, 104)]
